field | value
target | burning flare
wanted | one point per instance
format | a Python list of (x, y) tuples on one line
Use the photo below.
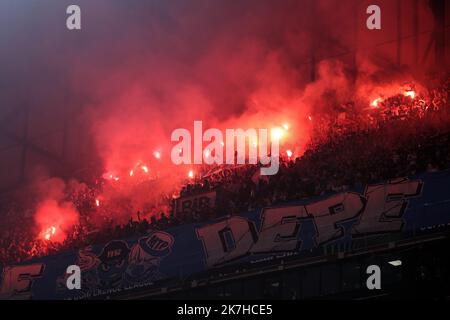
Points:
[(49, 233), (277, 133), (375, 102), (289, 153), (410, 93)]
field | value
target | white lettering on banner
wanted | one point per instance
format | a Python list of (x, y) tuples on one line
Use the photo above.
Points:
[(385, 206), (380, 210), (16, 281), (330, 212), (195, 204), (279, 229), (226, 240)]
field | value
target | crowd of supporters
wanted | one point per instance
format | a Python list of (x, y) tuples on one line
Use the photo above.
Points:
[(398, 136)]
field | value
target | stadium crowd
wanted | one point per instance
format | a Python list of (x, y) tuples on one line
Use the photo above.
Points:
[(399, 136)]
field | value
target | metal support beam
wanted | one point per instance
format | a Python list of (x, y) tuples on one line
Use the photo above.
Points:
[(313, 27), (399, 32), (23, 161), (416, 32), (438, 9), (32, 147)]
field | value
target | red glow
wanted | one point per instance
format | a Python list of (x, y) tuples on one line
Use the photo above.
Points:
[(277, 133), (49, 233), (375, 102), (410, 93), (108, 176), (289, 153), (55, 219)]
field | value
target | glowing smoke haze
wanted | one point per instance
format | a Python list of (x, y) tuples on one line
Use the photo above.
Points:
[(139, 71), (54, 215)]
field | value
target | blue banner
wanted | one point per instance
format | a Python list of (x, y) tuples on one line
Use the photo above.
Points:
[(402, 208)]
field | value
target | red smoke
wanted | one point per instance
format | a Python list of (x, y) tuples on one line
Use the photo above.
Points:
[(137, 71), (54, 220), (55, 214)]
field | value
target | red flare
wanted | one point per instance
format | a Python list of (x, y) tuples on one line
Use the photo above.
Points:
[(375, 102), (410, 93), (49, 232), (289, 153)]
